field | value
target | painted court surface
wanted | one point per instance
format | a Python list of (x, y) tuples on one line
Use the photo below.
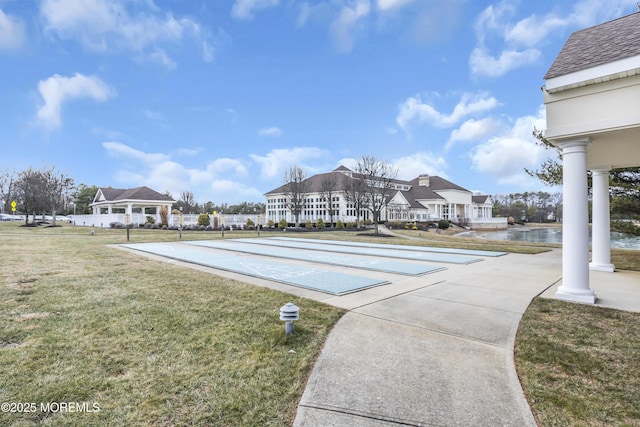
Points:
[(311, 264)]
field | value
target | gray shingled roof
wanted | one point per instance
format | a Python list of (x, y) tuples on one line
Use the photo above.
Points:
[(139, 193), (417, 192), (314, 183), (479, 199), (598, 45)]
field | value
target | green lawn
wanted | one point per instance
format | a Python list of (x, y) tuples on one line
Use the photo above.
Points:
[(151, 343), (148, 342), (579, 364)]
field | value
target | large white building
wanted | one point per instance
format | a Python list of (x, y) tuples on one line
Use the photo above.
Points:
[(425, 198)]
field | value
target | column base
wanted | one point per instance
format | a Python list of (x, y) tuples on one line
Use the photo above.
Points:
[(609, 268), (587, 296)]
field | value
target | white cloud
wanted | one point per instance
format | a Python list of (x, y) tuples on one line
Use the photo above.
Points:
[(244, 9), (227, 190), (161, 172), (278, 160), (482, 63), (411, 166), (492, 21), (472, 130), (57, 89), (153, 115), (272, 131), (105, 25), (160, 57), (516, 43), (414, 111), (12, 34), (392, 4), (505, 156), (118, 149), (345, 27)]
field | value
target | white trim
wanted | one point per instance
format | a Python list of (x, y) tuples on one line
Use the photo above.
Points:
[(601, 73)]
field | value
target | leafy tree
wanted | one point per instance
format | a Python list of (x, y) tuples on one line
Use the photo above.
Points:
[(624, 183), (377, 181), (30, 192), (83, 197), (296, 189), (550, 172), (625, 191)]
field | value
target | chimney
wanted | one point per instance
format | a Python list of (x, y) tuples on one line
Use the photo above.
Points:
[(423, 180)]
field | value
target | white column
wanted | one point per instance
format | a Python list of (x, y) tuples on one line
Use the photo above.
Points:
[(600, 227), (575, 224)]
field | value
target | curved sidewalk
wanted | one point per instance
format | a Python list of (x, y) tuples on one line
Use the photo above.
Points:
[(438, 355)]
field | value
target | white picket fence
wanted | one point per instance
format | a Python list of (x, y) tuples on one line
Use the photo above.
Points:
[(104, 220)]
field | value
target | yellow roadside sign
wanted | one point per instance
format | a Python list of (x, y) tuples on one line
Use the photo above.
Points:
[(13, 205)]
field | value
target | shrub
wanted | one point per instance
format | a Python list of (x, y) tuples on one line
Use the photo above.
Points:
[(308, 224), (282, 224), (339, 224), (320, 223), (443, 224), (204, 220), (270, 223), (164, 215), (150, 220), (626, 227), (250, 223)]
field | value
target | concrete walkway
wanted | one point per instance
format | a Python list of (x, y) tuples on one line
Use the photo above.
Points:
[(434, 350), (442, 354)]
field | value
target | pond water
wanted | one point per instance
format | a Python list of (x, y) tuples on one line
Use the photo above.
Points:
[(552, 235)]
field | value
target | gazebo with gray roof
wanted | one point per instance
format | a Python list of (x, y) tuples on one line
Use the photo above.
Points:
[(592, 97), (109, 200)]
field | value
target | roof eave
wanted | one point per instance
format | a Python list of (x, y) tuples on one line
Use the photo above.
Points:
[(620, 69)]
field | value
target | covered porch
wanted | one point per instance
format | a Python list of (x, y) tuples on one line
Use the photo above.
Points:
[(592, 97)]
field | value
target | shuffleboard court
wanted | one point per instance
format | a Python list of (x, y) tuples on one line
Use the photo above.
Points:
[(387, 251), (368, 262), (472, 252), (310, 278)]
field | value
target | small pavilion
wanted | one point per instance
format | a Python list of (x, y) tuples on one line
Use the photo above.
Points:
[(138, 200), (592, 97)]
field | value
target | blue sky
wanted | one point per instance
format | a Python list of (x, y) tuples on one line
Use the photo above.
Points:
[(220, 97)]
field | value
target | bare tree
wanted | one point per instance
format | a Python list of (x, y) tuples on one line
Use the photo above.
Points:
[(296, 189), (56, 186), (328, 188), (355, 193), (377, 177), (7, 182), (186, 202)]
